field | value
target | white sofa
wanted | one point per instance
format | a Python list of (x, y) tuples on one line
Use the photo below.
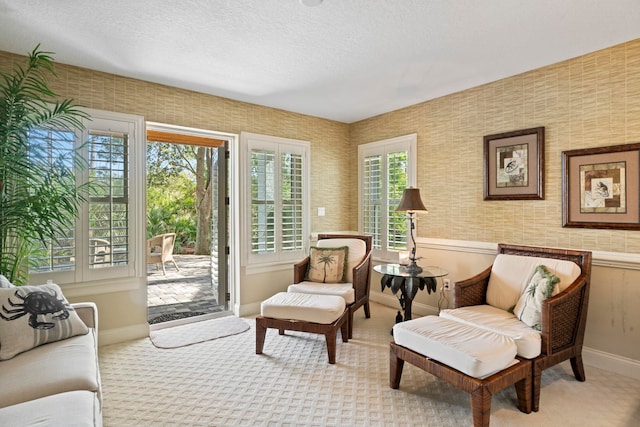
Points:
[(55, 384)]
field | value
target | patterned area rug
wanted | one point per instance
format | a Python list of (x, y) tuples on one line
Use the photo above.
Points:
[(223, 383), (196, 332)]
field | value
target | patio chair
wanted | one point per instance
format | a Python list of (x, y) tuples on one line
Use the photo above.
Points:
[(160, 250), (100, 252), (355, 289)]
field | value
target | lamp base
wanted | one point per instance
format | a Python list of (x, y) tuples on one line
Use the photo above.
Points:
[(413, 268)]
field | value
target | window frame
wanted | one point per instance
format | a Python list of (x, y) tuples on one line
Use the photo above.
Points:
[(133, 127), (257, 263), (384, 147)]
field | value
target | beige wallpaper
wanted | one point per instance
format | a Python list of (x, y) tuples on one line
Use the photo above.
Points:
[(590, 101), (330, 152)]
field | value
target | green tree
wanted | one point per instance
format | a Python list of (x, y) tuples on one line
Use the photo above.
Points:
[(179, 193)]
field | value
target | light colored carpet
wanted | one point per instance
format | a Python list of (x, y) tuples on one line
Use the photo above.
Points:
[(197, 332), (224, 383)]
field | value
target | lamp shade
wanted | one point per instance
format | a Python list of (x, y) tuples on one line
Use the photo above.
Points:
[(411, 201)]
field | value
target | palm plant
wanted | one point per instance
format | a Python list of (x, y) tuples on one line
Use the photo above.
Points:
[(39, 197)]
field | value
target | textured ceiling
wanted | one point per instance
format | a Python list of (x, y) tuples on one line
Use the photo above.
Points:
[(344, 60)]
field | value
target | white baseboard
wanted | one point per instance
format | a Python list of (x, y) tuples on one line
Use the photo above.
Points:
[(117, 335), (611, 362), (247, 310)]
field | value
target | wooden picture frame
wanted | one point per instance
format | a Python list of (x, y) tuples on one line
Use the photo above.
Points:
[(600, 187), (514, 165)]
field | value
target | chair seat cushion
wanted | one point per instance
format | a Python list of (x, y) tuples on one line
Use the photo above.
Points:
[(527, 340), (323, 309), (344, 290), (473, 351)]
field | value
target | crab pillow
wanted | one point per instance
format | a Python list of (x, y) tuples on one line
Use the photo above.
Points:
[(34, 315)]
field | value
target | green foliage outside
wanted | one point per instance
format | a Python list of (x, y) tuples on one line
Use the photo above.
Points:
[(171, 204)]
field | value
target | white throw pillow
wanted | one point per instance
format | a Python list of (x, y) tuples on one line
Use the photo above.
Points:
[(5, 283), (542, 285), (34, 315)]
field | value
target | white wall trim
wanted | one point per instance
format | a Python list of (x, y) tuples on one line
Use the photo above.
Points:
[(628, 261), (118, 335), (611, 362)]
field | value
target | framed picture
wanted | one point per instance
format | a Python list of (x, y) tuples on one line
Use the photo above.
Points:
[(514, 165), (600, 187)]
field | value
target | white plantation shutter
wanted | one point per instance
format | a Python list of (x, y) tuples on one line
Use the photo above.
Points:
[(109, 225), (109, 204), (386, 168), (278, 182)]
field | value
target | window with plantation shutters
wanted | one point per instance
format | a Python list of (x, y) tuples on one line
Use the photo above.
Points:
[(385, 168), (277, 196), (109, 202), (100, 245)]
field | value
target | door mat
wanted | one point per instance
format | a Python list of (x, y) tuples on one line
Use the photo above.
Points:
[(196, 332), (174, 316)]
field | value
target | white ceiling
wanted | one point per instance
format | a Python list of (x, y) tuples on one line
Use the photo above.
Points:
[(344, 60)]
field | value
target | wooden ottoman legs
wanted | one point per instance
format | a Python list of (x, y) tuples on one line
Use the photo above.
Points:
[(330, 331), (480, 390)]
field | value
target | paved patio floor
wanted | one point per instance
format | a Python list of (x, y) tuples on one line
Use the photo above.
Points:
[(187, 290)]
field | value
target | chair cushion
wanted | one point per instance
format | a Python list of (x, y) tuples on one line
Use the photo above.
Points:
[(541, 286), (473, 351), (344, 290), (327, 265), (357, 251), (528, 341), (323, 309), (510, 276), (34, 315)]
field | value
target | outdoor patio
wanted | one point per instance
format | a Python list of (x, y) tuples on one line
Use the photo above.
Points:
[(186, 291)]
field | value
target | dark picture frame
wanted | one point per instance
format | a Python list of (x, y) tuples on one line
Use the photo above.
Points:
[(514, 165), (601, 187)]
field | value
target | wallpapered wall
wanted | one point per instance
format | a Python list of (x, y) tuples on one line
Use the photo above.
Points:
[(330, 152), (589, 101)]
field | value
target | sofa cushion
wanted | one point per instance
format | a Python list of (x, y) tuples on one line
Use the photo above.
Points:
[(528, 341), (34, 315), (327, 265), (474, 351), (357, 251), (542, 285), (344, 290), (510, 276), (57, 367), (73, 408)]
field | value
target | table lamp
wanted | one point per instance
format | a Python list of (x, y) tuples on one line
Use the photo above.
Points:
[(410, 203)]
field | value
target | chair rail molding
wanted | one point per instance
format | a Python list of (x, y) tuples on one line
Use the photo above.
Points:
[(628, 261)]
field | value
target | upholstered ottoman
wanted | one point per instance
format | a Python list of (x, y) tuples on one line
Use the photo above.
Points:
[(316, 314), (475, 360)]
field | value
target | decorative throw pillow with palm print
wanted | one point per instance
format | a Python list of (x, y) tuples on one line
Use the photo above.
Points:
[(327, 265), (542, 285)]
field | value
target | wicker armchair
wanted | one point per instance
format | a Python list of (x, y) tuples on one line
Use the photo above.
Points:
[(361, 274), (160, 250), (563, 316)]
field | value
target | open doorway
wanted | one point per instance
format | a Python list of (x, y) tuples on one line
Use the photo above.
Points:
[(187, 224)]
